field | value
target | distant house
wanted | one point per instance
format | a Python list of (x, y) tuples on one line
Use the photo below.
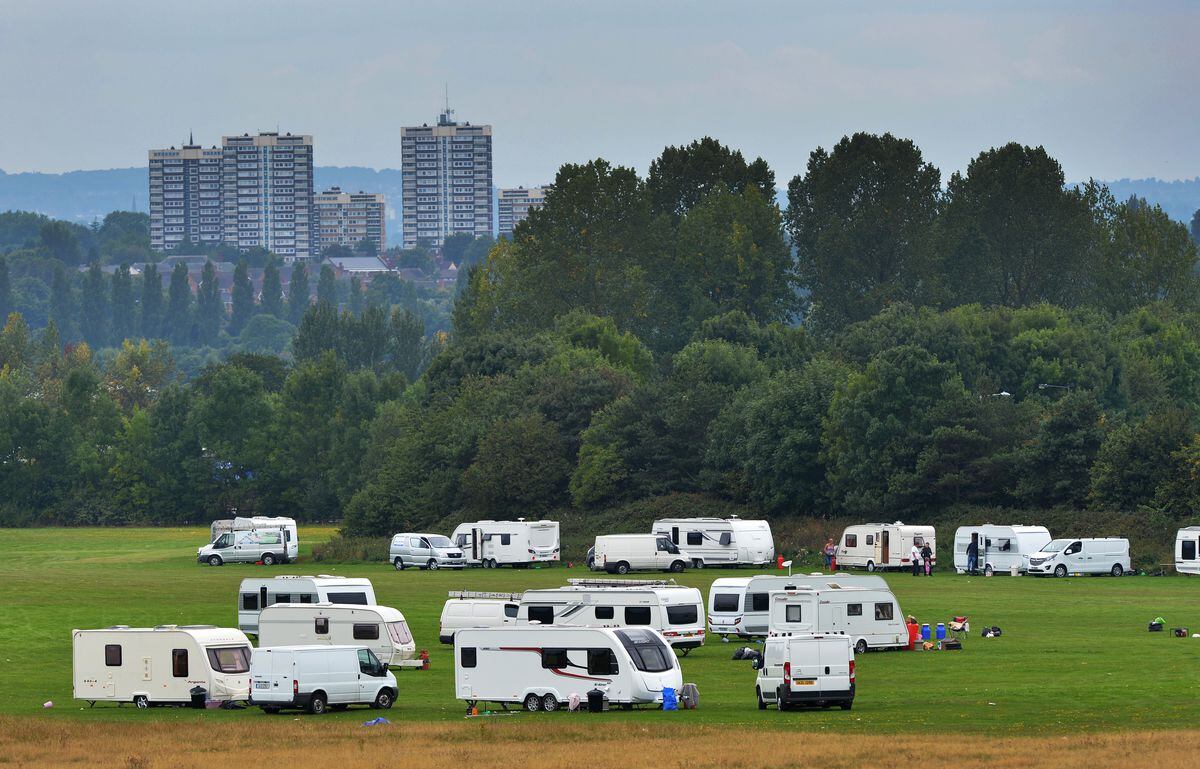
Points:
[(362, 266)]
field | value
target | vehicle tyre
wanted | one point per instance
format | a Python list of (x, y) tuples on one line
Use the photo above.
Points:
[(141, 701), (697, 564), (987, 570), (870, 566), (383, 700), (762, 704), (847, 705), (677, 567), (550, 703), (268, 559), (1117, 570), (1060, 570), (780, 702), (215, 560), (622, 568), (398, 563), (861, 646), (432, 565), (533, 703), (316, 705)]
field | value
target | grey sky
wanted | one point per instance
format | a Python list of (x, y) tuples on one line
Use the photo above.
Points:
[(1108, 88)]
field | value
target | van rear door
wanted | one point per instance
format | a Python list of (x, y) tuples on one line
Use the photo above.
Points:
[(805, 656), (834, 664)]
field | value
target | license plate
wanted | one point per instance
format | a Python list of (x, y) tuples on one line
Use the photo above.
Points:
[(262, 684), (806, 683)]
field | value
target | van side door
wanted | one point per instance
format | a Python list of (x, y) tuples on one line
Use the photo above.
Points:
[(1075, 557)]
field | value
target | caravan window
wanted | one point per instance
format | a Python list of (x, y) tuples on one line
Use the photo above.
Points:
[(602, 662), (792, 613), (506, 539), (306, 598), (249, 601), (555, 658), (647, 650), (510, 610), (399, 632), (112, 655), (883, 611), (282, 598), (854, 610), (870, 539), (695, 538), (851, 540), (365, 632), (358, 598), (604, 612), (760, 601), (231, 659), (726, 602), (321, 625), (637, 615), (918, 540), (1187, 550), (542, 614), (179, 663), (467, 657), (682, 615)]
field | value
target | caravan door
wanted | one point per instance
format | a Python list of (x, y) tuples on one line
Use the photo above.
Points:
[(477, 544), (885, 549)]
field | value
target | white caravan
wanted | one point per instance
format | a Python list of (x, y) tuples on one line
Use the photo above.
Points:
[(470, 608), (381, 629), (508, 543), (250, 523), (800, 670), (314, 678), (869, 617), (740, 606), (1060, 557), (257, 593), (873, 546), (623, 553), (720, 541), (541, 667), (1187, 550), (999, 548), (674, 610), (160, 665)]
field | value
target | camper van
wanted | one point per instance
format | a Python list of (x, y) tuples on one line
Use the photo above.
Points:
[(720, 541), (869, 617), (874, 546), (257, 593), (1000, 547), (507, 543), (250, 523), (425, 551), (268, 546), (813, 670), (674, 610), (740, 606), (160, 665), (1061, 557), (471, 608), (1187, 550), (315, 678), (541, 667), (623, 553), (381, 629)]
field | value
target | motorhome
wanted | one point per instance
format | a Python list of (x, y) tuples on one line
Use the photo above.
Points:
[(250, 523), (315, 678), (425, 551), (471, 608), (869, 617), (516, 543), (674, 610), (740, 606), (999, 548), (381, 629), (540, 667), (265, 546), (1187, 550), (257, 593), (623, 553), (1060, 557), (813, 670), (160, 665), (882, 546), (720, 541)]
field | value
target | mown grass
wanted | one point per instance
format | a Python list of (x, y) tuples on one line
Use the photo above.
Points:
[(1075, 654)]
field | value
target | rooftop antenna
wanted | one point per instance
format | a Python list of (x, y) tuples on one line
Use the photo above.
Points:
[(447, 112), (191, 137)]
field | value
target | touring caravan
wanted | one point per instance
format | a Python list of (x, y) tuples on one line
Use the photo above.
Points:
[(869, 617), (874, 546), (1187, 550), (1060, 557), (674, 610), (740, 606), (516, 543), (257, 593), (541, 667), (160, 665), (720, 541), (623, 553), (314, 678), (1000, 548), (472, 608), (381, 629), (250, 523), (425, 551), (815, 670)]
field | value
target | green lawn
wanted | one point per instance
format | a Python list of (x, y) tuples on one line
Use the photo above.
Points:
[(1075, 654)]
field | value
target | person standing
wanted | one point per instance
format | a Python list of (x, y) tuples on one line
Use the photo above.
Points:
[(830, 552), (916, 560), (973, 554), (927, 556)]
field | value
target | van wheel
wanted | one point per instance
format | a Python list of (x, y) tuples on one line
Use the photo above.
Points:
[(432, 565), (780, 702), (383, 700), (550, 703), (762, 704), (214, 560), (1117, 570), (533, 703), (870, 566), (697, 564), (987, 570), (398, 563), (622, 568), (847, 705), (861, 646), (677, 567), (268, 559), (141, 701), (1060, 570), (316, 705)]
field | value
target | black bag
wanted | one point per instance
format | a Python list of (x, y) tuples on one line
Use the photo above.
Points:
[(1156, 627), (951, 644)]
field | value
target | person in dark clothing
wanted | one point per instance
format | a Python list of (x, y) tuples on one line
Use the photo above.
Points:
[(973, 554), (927, 557)]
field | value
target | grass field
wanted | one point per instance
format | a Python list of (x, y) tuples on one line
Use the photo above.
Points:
[(1075, 655)]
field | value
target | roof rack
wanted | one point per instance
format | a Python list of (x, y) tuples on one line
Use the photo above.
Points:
[(486, 594), (589, 582)]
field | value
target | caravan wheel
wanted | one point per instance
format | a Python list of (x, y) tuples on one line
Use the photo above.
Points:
[(550, 703), (870, 566), (142, 701), (533, 703), (987, 570), (861, 646)]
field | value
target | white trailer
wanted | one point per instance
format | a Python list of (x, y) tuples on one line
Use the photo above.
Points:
[(250, 523), (160, 665), (541, 667), (257, 593), (674, 610), (720, 541), (472, 608), (882, 546), (999, 547), (381, 629), (869, 617), (1101, 555), (1187, 550), (740, 606), (516, 543)]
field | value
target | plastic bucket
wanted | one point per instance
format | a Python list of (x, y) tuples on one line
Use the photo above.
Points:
[(925, 634), (941, 631)]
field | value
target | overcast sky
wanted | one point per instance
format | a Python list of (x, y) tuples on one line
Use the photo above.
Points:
[(1109, 88)]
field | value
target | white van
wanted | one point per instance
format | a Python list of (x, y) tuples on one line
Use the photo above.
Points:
[(623, 553), (291, 534), (720, 541), (425, 551), (1061, 557), (816, 670), (869, 617), (382, 629), (471, 608), (516, 543), (315, 678), (873, 546), (999, 547), (741, 606), (674, 610), (160, 665), (1187, 550), (266, 546), (257, 593), (541, 667)]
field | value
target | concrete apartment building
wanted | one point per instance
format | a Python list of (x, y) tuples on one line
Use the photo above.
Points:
[(185, 196), (514, 204), (447, 181), (267, 193), (346, 218)]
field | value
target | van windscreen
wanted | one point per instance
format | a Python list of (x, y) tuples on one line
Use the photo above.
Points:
[(726, 601), (230, 659), (648, 652)]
